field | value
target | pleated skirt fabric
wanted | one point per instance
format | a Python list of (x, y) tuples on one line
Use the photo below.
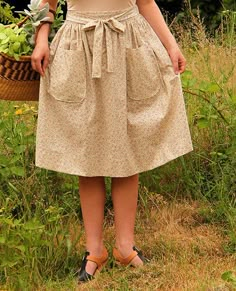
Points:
[(110, 103)]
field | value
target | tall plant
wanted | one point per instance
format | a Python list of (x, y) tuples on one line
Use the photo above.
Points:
[(36, 14), (6, 15)]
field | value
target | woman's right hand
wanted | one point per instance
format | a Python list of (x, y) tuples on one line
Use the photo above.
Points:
[(40, 57)]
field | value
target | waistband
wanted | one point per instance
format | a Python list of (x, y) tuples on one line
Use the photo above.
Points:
[(101, 21), (84, 16)]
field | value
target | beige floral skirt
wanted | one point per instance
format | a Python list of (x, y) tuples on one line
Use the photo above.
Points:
[(110, 103)]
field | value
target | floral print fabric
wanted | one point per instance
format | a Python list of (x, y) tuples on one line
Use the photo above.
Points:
[(110, 103)]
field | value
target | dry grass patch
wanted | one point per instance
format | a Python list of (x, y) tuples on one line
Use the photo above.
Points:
[(186, 253), (213, 63)]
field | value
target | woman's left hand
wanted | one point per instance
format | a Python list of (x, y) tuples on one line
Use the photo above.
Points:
[(178, 60)]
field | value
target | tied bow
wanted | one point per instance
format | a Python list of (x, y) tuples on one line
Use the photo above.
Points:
[(100, 26)]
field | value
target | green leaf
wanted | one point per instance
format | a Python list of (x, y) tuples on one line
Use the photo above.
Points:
[(2, 240), (9, 264), (13, 37), (6, 40), (34, 4), (14, 159), (10, 51), (4, 50), (18, 171), (21, 248), (233, 98), (2, 36), (202, 123), (37, 23), (13, 187), (213, 88), (4, 161), (16, 46), (19, 149), (187, 74), (8, 221), (229, 277), (5, 172), (33, 225), (69, 245), (16, 56), (21, 38)]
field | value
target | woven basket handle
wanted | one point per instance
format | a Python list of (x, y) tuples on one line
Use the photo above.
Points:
[(20, 23)]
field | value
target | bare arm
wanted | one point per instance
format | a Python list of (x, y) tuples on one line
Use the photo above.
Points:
[(45, 29), (152, 13), (40, 55)]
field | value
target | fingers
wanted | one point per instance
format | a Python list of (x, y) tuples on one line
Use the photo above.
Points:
[(182, 65), (45, 63), (179, 64), (178, 61), (39, 61), (37, 65), (175, 62)]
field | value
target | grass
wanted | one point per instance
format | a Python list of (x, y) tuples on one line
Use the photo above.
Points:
[(186, 253), (186, 220)]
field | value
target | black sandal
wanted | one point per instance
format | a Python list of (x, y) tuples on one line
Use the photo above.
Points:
[(100, 261)]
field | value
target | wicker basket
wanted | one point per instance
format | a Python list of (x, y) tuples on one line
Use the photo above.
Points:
[(18, 80)]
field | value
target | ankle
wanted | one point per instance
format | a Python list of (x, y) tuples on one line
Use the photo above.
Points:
[(124, 247), (125, 255), (95, 249)]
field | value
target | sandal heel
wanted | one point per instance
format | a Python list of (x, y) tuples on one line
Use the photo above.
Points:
[(121, 261), (100, 261), (102, 266)]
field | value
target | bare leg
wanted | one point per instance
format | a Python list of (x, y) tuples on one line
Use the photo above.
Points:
[(92, 196), (124, 196)]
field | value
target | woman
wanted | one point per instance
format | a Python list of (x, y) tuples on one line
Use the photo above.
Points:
[(110, 105)]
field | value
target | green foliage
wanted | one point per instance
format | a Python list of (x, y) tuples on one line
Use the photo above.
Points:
[(229, 277), (229, 4), (228, 23), (34, 246), (36, 14), (13, 41), (209, 11), (6, 15), (208, 172), (35, 204), (39, 206), (211, 116), (58, 21), (16, 137)]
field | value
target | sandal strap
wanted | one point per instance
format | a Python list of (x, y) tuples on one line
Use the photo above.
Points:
[(98, 260), (141, 256), (122, 260)]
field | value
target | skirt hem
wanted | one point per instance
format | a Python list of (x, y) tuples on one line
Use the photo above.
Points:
[(152, 166)]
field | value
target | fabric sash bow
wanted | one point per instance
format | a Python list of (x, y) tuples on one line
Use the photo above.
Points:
[(102, 27)]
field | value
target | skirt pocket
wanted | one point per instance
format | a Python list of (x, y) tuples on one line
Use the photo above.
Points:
[(67, 75), (144, 78)]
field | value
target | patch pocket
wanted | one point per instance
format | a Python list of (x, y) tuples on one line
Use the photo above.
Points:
[(143, 73), (67, 75)]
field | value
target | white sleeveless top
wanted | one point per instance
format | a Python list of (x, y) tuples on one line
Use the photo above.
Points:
[(99, 5)]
